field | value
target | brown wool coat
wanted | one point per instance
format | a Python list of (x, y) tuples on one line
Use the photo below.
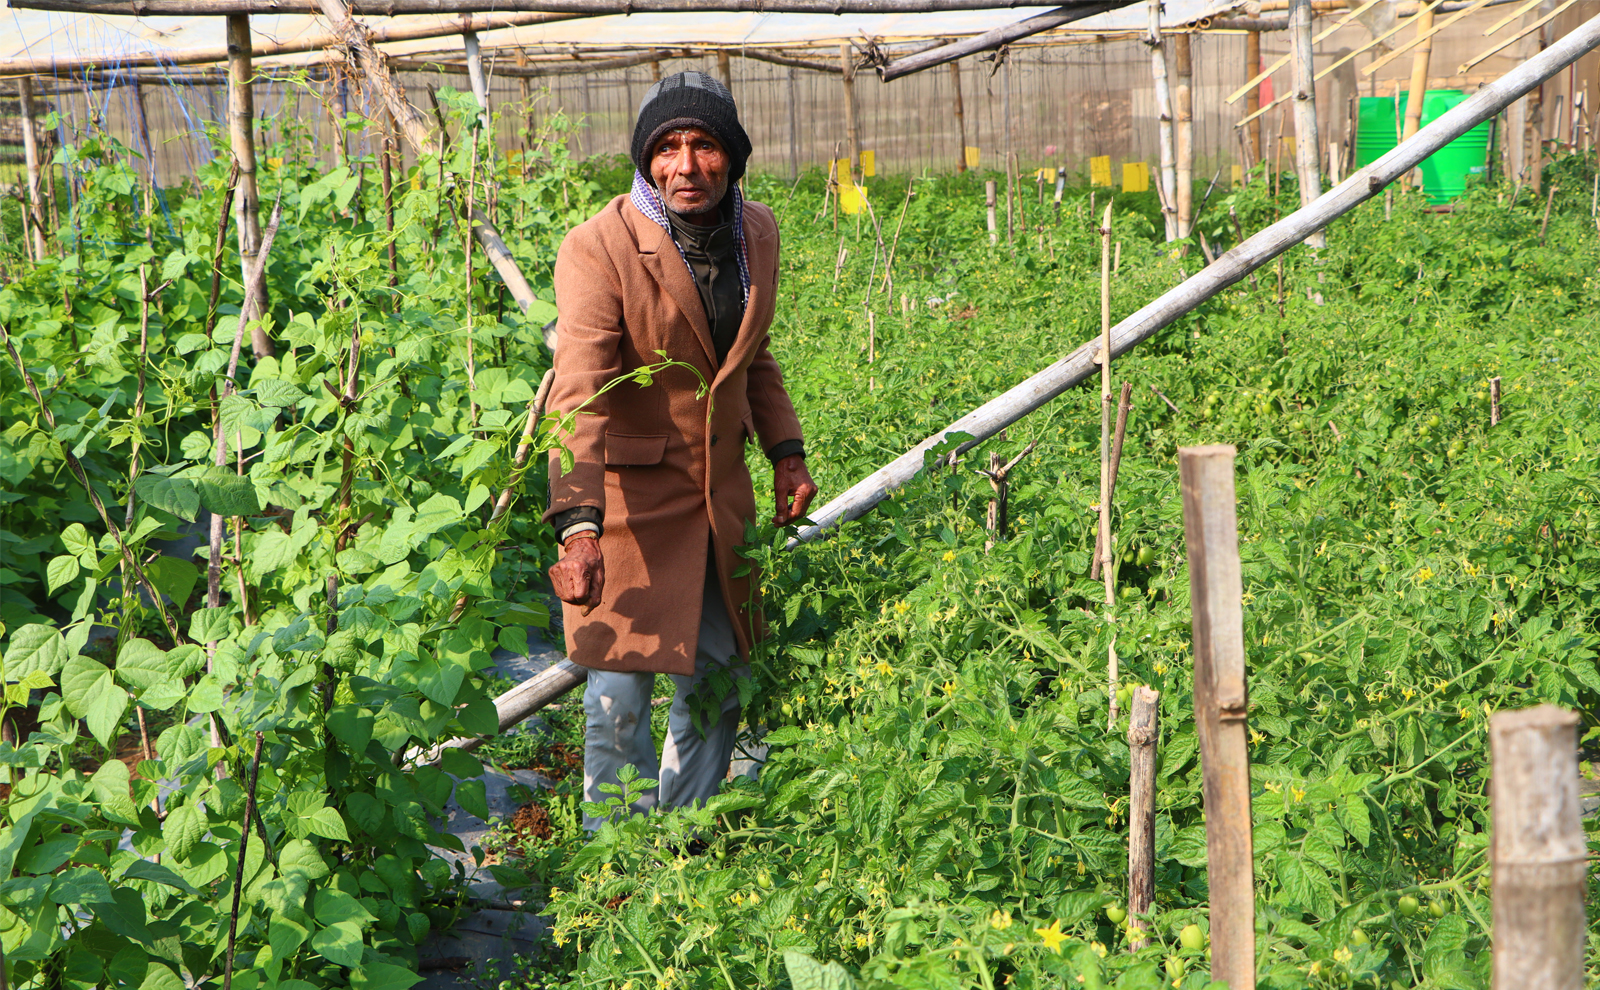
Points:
[(666, 480)]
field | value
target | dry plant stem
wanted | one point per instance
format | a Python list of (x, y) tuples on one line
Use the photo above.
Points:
[(998, 505), (1163, 398), (894, 245), (1494, 401), (129, 560), (355, 38), (1221, 705), (1143, 732), (1123, 405), (1544, 225), (1336, 434), (1538, 853), (224, 215), (989, 202), (138, 396), (1107, 551), (519, 462), (238, 874)]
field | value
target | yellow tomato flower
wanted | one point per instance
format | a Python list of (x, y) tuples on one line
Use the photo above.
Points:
[(1053, 937)]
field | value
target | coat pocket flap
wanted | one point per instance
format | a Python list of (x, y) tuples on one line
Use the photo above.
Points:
[(749, 428), (630, 450)]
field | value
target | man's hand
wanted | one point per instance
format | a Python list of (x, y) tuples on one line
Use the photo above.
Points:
[(579, 577), (793, 488)]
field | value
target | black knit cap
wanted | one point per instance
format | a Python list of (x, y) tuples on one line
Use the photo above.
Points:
[(690, 99)]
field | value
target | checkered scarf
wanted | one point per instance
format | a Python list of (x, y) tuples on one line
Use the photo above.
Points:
[(644, 197)]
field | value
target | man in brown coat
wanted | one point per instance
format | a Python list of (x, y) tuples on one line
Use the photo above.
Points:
[(659, 495)]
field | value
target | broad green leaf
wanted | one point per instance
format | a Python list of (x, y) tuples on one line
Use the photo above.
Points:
[(470, 794), (351, 725), (384, 976), (178, 496), (806, 973), (460, 763), (90, 693), (80, 885), (184, 828), (208, 625), (76, 539), (327, 823), (35, 647), (110, 783), (141, 664), (333, 906), (340, 943), (144, 869), (206, 696), (161, 977), (60, 572), (276, 392), (227, 494), (173, 577), (301, 858)]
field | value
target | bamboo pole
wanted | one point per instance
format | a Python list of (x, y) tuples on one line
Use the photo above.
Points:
[(142, 124), (1158, 69), (989, 201), (241, 136), (1252, 57), (1220, 706), (1494, 401), (1183, 132), (1108, 551), (961, 118), (990, 40), (1539, 854), (794, 127), (1307, 143), (1123, 405), (595, 8), (725, 68), (1232, 267), (851, 135), (30, 153), (1005, 117), (1144, 729), (1419, 74), (480, 85)]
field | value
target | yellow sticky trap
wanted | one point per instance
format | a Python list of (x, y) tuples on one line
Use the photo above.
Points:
[(841, 172), (416, 181), (852, 198), (869, 164), (1045, 174), (1288, 147), (1238, 175), (1135, 177), (1100, 170), (972, 156)]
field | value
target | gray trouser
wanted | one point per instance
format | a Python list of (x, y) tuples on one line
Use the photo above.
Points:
[(617, 731)]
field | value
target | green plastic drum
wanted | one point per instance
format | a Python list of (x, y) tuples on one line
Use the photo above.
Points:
[(1444, 173)]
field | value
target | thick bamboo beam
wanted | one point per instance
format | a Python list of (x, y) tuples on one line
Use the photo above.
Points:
[(1235, 265), (990, 40), (356, 41), (51, 65), (852, 136), (1252, 59), (30, 153), (1307, 139), (1167, 179), (387, 8), (533, 70)]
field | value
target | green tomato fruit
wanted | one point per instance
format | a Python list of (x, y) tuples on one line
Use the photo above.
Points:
[(764, 879), (1192, 937), (1124, 696), (1147, 556), (1436, 909), (1263, 408), (1358, 937), (1408, 906), (1433, 422), (1175, 966), (1116, 913)]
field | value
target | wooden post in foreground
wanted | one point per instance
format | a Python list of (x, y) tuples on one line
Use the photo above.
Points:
[(1143, 731), (1220, 705), (1538, 853), (852, 136), (30, 152), (988, 200), (241, 135)]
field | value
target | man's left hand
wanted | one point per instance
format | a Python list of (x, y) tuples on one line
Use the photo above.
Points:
[(793, 488)]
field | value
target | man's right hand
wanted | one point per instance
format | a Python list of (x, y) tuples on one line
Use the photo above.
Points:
[(579, 578)]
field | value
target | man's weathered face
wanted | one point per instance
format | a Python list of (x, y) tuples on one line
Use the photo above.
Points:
[(690, 168)]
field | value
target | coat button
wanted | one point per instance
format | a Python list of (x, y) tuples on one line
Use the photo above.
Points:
[(713, 493), (713, 439)]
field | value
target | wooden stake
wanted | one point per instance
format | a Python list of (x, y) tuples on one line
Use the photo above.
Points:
[(1143, 732), (1419, 75), (961, 118), (1539, 855), (1158, 68), (1107, 548), (1220, 705), (1544, 224), (989, 201), (1252, 57), (1183, 132), (872, 348), (241, 135), (480, 85), (794, 126), (1307, 144), (1123, 405), (142, 122), (998, 504), (30, 150), (1494, 401), (725, 68), (847, 65)]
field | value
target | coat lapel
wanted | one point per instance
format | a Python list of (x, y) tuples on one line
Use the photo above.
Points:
[(664, 263), (761, 247)]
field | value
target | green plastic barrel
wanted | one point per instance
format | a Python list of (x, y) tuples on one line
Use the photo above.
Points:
[(1444, 173)]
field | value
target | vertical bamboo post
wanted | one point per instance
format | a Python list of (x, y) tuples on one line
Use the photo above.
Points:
[(794, 128), (1108, 555), (241, 133), (725, 68), (1143, 731), (30, 152), (1494, 401), (988, 200), (1220, 705), (1420, 57), (142, 122), (1252, 100), (480, 85), (1158, 69), (1121, 431), (1307, 145), (341, 113), (961, 117), (1005, 116), (1183, 132), (847, 65), (655, 70), (1538, 853), (526, 91)]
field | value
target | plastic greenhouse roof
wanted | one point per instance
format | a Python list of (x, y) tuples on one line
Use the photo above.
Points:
[(36, 33)]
